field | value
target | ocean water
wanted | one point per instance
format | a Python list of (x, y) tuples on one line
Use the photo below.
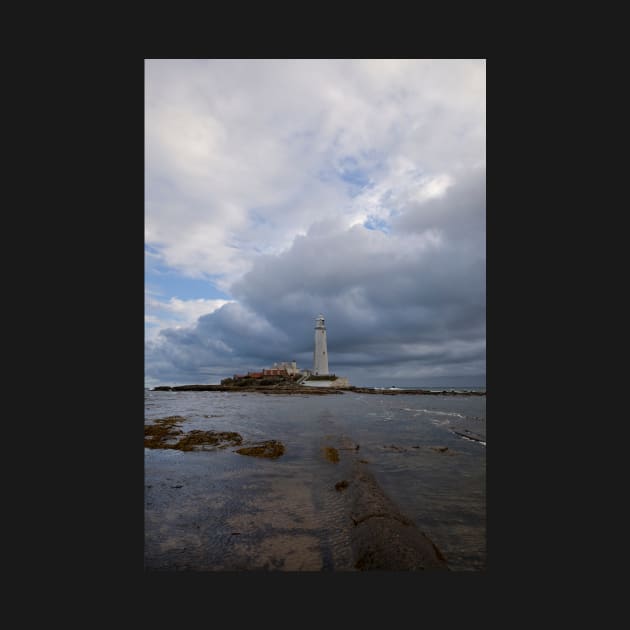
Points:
[(216, 510)]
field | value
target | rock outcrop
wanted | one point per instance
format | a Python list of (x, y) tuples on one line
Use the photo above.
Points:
[(381, 537)]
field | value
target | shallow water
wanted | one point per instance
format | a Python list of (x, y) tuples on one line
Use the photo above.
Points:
[(218, 510)]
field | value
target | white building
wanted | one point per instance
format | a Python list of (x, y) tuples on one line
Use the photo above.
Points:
[(289, 366), (320, 355)]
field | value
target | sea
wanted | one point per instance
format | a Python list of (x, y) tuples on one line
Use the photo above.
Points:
[(217, 510)]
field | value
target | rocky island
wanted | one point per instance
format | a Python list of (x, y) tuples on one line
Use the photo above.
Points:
[(290, 385)]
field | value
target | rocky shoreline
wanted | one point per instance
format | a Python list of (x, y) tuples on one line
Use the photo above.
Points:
[(380, 536), (292, 388)]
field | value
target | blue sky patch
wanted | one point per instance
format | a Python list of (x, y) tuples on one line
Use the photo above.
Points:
[(165, 282), (376, 223), (351, 173), (172, 284)]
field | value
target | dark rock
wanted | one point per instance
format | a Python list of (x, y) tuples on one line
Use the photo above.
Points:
[(156, 435), (285, 387), (341, 485), (382, 538), (406, 392), (200, 439), (288, 387), (161, 433), (271, 449)]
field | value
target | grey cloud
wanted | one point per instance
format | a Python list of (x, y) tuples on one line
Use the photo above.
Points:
[(391, 308), (461, 212)]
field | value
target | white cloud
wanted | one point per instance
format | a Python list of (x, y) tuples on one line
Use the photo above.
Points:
[(244, 155), (405, 183)]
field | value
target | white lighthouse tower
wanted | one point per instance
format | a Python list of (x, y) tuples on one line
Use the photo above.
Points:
[(320, 356)]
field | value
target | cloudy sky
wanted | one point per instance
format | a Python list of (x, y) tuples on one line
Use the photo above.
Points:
[(279, 189)]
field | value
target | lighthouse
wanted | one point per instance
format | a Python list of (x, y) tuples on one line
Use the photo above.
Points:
[(320, 356)]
